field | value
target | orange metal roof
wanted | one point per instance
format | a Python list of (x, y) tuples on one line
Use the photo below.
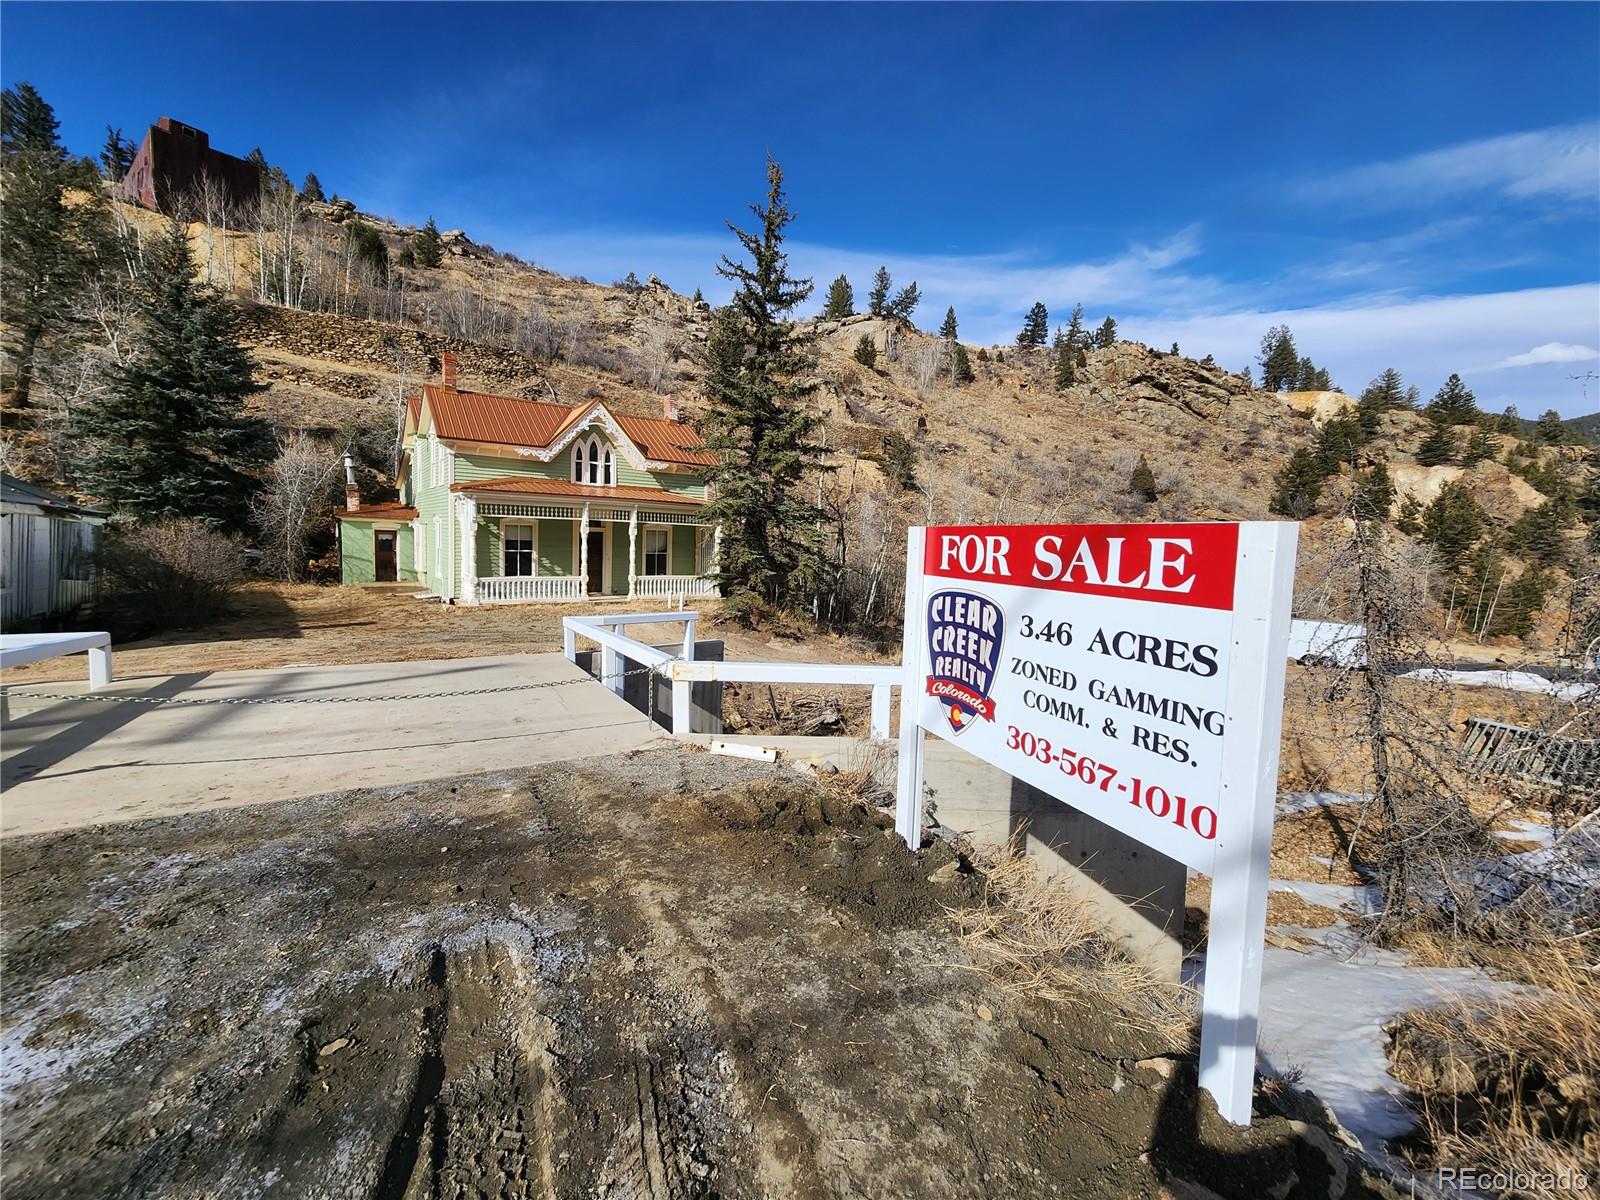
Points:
[(512, 421), (377, 512), (523, 485)]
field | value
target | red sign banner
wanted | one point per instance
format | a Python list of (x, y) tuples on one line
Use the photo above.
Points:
[(949, 689), (1187, 564)]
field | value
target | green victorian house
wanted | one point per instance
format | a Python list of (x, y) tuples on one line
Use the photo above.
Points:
[(511, 501)]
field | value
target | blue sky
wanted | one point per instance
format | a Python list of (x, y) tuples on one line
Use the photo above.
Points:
[(1407, 185)]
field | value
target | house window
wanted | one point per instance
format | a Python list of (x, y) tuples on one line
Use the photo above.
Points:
[(518, 541), (655, 551), (436, 462), (592, 464)]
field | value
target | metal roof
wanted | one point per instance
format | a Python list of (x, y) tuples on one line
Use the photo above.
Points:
[(14, 491), (526, 485)]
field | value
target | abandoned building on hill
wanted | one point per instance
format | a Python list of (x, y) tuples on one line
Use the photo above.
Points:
[(173, 160)]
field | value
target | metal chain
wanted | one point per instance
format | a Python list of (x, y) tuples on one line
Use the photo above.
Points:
[(13, 694)]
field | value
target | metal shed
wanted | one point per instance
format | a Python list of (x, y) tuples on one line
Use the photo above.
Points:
[(48, 548)]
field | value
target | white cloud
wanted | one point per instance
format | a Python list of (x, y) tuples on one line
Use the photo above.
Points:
[(1550, 352), (1561, 162)]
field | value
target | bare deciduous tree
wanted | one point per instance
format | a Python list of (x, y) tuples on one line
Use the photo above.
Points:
[(297, 493)]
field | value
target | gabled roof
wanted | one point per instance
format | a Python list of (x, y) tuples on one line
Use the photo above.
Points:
[(528, 485), (512, 421)]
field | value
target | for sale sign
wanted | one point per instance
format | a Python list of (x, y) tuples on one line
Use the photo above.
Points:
[(1135, 672), (1092, 662)]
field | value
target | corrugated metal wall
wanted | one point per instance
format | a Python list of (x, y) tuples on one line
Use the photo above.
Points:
[(48, 567)]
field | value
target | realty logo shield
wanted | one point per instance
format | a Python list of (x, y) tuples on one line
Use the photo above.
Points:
[(965, 633)]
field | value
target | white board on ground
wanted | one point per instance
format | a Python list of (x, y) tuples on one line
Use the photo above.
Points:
[(1136, 673)]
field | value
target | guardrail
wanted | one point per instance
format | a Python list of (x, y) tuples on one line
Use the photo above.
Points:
[(1531, 755), (683, 670)]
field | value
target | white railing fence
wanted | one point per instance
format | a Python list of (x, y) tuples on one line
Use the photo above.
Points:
[(521, 589), (684, 670), (667, 587)]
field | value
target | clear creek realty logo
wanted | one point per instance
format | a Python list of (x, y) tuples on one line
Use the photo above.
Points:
[(965, 633)]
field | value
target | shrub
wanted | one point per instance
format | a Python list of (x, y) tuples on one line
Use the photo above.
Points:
[(175, 573), (867, 352)]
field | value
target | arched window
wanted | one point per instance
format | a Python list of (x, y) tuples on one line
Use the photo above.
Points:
[(592, 464)]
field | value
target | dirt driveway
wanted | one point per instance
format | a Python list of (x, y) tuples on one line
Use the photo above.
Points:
[(655, 975)]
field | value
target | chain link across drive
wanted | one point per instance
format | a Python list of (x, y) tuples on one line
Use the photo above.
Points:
[(14, 694)]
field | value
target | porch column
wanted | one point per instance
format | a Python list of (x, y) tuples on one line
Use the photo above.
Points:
[(583, 551), (633, 539), (469, 550), (716, 548)]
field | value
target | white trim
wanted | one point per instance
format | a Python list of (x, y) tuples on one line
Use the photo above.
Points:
[(644, 556), (533, 524)]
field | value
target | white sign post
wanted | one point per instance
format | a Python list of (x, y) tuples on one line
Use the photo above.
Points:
[(1136, 673)]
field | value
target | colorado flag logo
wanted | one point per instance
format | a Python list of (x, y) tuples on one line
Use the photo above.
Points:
[(965, 631)]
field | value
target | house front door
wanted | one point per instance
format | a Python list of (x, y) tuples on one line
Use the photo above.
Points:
[(383, 555), (597, 560)]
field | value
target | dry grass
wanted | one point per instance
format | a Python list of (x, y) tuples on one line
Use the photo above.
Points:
[(1513, 1082), (867, 777), (1034, 938)]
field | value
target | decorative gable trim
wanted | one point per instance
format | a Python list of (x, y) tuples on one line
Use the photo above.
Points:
[(597, 414)]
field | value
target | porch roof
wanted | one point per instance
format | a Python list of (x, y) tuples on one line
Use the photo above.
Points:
[(522, 485), (377, 512)]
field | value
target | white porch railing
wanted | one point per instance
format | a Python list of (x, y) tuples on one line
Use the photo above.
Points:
[(665, 587), (524, 589)]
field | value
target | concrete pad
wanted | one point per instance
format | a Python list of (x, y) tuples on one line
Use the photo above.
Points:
[(71, 763)]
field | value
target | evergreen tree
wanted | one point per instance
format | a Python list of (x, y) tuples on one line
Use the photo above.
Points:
[(1374, 495), (962, 371), (1066, 366), (1174, 351), (367, 244), (758, 424), (1378, 397), (1453, 404), (1480, 447), (898, 459), (697, 297), (1280, 362), (427, 247), (1077, 335), (1452, 524), (1035, 326), (28, 123), (867, 352), (1549, 428), (1142, 482), (1299, 485), (311, 189), (841, 301), (947, 329), (1509, 421), (169, 437), (48, 247), (1520, 602), (117, 155), (1312, 378), (1106, 336), (1539, 535), (904, 303), (1409, 519), (878, 297), (1438, 447), (1340, 441)]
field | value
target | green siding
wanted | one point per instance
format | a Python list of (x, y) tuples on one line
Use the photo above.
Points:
[(357, 558), (555, 548), (473, 467), (681, 556), (488, 545)]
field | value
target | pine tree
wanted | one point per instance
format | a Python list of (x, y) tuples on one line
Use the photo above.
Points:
[(1340, 441), (1035, 326), (759, 426), (367, 246), (1142, 483), (1452, 524), (1539, 535), (1519, 604), (1385, 392), (1077, 336), (1549, 428), (48, 247), (841, 301), (962, 371), (1280, 362), (311, 189), (954, 353), (1106, 336), (697, 297), (1299, 485), (1409, 519), (904, 303), (1066, 367), (1509, 421), (867, 352), (1438, 447), (1453, 404), (1480, 447), (28, 123), (1374, 495), (427, 246), (947, 330), (169, 437), (878, 297), (116, 156)]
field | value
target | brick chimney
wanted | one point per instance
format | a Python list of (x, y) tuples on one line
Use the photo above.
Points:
[(447, 370), (669, 408), (352, 494)]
